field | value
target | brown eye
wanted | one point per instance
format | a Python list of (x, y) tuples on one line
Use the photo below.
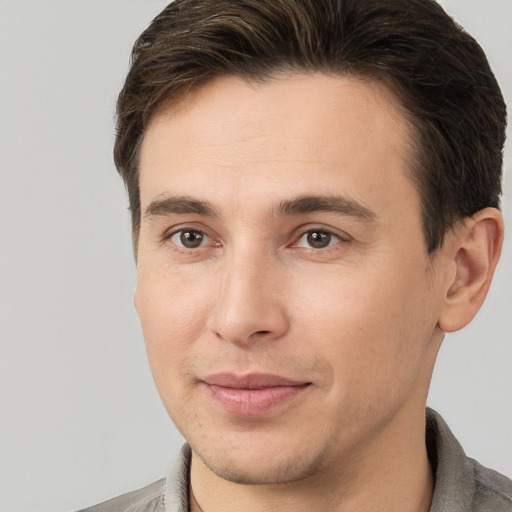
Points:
[(317, 239), (189, 238)]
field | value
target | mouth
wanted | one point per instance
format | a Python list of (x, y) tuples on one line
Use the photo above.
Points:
[(253, 394)]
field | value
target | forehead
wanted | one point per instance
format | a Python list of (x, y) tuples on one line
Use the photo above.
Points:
[(305, 103), (277, 138)]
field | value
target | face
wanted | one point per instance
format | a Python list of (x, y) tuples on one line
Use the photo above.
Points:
[(287, 300)]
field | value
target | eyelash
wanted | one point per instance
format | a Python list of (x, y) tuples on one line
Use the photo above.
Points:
[(324, 233), (305, 233), (182, 231)]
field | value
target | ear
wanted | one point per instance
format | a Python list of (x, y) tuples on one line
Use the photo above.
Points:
[(474, 248)]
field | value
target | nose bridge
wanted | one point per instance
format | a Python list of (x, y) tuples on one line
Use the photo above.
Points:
[(249, 302)]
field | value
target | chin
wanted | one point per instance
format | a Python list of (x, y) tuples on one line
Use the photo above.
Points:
[(265, 468)]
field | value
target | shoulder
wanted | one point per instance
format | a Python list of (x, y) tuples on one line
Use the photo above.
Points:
[(491, 489), (461, 483), (167, 495), (147, 499)]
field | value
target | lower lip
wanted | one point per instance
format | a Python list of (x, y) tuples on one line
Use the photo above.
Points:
[(253, 402)]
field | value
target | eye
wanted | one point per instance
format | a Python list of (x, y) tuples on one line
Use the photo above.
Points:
[(190, 238), (317, 239)]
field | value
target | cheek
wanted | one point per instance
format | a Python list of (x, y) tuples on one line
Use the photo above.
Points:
[(173, 316), (373, 330)]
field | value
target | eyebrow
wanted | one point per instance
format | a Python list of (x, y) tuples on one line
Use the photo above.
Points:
[(179, 205), (297, 206), (336, 204)]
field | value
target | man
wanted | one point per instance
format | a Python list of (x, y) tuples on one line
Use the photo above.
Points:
[(314, 189)]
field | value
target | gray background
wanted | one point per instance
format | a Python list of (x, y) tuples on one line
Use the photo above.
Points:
[(80, 420)]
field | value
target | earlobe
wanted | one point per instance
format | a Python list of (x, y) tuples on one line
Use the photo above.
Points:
[(474, 249)]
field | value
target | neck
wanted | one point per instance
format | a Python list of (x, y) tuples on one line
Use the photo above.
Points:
[(392, 473)]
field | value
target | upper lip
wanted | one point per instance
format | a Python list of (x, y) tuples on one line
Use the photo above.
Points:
[(251, 381)]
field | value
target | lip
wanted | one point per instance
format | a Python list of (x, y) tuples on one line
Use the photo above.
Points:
[(252, 394)]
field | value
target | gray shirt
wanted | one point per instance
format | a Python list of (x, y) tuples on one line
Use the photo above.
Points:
[(461, 483)]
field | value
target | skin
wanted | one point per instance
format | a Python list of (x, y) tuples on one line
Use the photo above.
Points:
[(358, 322)]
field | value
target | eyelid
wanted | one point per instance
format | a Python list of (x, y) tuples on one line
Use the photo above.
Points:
[(300, 232), (204, 238), (174, 230), (184, 226), (307, 228), (342, 236)]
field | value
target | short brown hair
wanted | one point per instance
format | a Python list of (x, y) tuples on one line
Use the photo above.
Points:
[(439, 73)]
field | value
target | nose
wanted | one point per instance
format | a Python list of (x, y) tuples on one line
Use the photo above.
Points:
[(250, 302)]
